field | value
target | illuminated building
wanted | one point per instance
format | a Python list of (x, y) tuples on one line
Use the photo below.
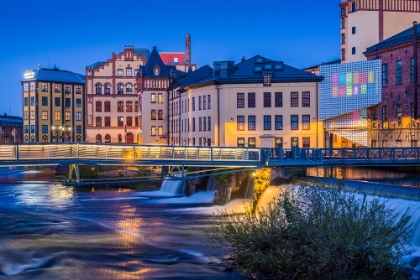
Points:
[(255, 103), (53, 106), (395, 121), (364, 23), (346, 92), (11, 129)]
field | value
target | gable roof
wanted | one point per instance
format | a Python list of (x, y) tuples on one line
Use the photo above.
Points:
[(403, 37), (56, 75), (153, 61)]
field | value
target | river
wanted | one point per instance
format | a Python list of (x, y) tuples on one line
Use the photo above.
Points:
[(51, 231)]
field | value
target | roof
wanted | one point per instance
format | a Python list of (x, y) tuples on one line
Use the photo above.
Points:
[(405, 36), (6, 120), (196, 76), (141, 51), (153, 61), (56, 75), (96, 65), (335, 61), (172, 57)]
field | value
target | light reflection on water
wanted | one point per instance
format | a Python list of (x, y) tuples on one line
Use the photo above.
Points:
[(58, 232)]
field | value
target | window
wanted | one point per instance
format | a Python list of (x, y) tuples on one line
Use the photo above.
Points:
[(33, 128), (156, 71), (240, 124), (26, 101), (67, 115), (57, 88), (343, 11), (98, 121), (306, 142), (26, 128), (153, 97), (413, 122), (200, 125), (78, 116), (353, 30), (240, 100), (98, 89), (295, 142), (278, 122), (267, 122), (399, 114), (251, 100), (343, 54), (278, 99), (57, 115), (128, 89), (78, 102), (306, 99), (107, 138), (193, 124), (78, 129), (129, 121), (129, 106), (98, 107), (353, 7), (32, 100), (44, 115), (107, 89), (294, 99), (193, 103), (153, 131), (343, 23), (200, 141), (208, 124), (374, 117), (208, 101), (44, 101), (44, 128), (294, 122), (412, 70), (398, 72), (204, 103), (384, 75), (78, 89), (136, 106), (107, 106), (278, 142), (251, 122), (153, 115), (384, 143), (252, 142), (120, 88), (385, 116), (120, 121), (120, 106), (107, 121), (136, 121), (160, 114), (199, 103), (160, 98), (240, 141), (204, 124), (120, 72), (68, 102), (353, 50), (306, 122), (25, 87), (267, 99), (129, 72), (160, 130), (44, 87), (32, 115), (67, 88), (267, 80), (343, 39)]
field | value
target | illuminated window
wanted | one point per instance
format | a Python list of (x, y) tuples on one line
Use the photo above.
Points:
[(306, 122), (153, 131), (295, 142), (66, 88), (240, 141), (278, 142), (399, 114), (136, 106), (128, 72), (306, 142), (160, 98), (67, 115), (385, 116), (252, 142), (44, 87), (120, 88), (240, 124), (267, 80), (57, 115), (57, 88), (160, 130), (78, 116), (44, 115), (120, 106), (129, 106), (78, 89), (153, 97), (32, 115)]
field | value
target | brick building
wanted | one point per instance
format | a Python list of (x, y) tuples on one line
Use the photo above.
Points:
[(394, 122)]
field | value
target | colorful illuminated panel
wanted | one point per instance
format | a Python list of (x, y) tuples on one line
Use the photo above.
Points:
[(349, 86)]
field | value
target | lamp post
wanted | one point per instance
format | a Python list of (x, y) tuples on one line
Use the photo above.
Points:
[(57, 130), (67, 129)]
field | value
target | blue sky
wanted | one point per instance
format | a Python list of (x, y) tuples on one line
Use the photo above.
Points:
[(77, 33)]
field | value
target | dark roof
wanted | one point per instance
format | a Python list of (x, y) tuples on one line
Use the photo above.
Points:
[(141, 51), (56, 75), (405, 36), (96, 65), (6, 120), (153, 61), (335, 61), (196, 76)]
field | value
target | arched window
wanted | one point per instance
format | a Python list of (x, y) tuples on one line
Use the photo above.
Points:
[(78, 138), (98, 89), (98, 138), (107, 89), (26, 139), (128, 89), (130, 137), (156, 71), (107, 138), (120, 88), (98, 106), (153, 115), (45, 139), (119, 138), (160, 114), (32, 139)]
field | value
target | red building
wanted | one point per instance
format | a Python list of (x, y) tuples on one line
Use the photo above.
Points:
[(395, 121)]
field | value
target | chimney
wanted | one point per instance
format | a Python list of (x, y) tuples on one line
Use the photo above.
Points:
[(188, 49)]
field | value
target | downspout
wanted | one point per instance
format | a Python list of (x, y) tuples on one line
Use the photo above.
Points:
[(415, 71), (316, 111), (218, 116)]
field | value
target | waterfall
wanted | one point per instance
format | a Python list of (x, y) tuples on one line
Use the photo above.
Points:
[(173, 186), (211, 182)]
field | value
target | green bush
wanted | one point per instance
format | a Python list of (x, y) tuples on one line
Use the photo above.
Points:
[(313, 233)]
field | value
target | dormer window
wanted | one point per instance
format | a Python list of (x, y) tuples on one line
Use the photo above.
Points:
[(267, 80), (156, 71)]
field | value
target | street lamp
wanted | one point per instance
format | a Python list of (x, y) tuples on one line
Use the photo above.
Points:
[(57, 130), (67, 129)]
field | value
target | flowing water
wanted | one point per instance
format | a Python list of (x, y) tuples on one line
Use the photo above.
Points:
[(50, 231)]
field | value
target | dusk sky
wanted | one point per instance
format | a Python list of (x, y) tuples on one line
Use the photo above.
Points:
[(77, 33)]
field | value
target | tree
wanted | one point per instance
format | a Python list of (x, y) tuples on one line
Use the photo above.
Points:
[(315, 233)]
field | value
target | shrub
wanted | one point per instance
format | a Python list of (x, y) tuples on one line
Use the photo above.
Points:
[(313, 233)]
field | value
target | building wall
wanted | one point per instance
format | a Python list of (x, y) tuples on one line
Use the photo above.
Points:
[(108, 73)]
